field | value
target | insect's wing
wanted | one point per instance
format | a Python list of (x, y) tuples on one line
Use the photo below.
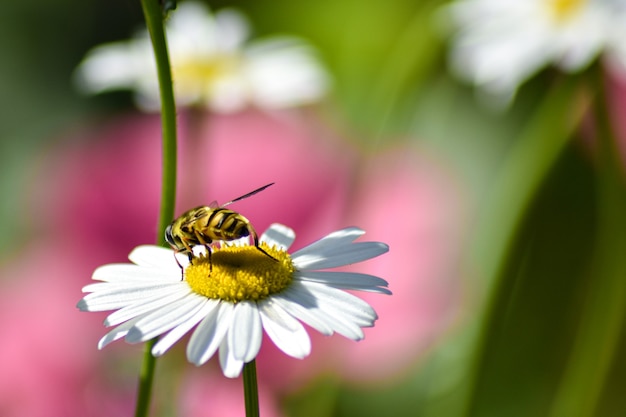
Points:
[(213, 204), (195, 215), (251, 193)]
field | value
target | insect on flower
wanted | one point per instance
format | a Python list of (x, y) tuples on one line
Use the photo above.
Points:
[(204, 224)]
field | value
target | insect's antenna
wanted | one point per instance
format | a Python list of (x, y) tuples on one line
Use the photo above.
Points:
[(251, 193)]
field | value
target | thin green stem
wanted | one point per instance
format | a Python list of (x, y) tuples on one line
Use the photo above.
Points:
[(154, 20), (250, 389), (146, 376), (604, 312)]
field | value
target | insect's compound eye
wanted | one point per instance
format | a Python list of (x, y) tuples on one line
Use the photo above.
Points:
[(168, 235)]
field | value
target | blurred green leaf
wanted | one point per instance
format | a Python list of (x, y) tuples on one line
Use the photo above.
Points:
[(538, 306), (319, 399), (603, 311)]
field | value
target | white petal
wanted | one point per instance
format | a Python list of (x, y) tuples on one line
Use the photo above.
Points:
[(102, 288), (334, 256), (209, 334), (245, 333), (307, 315), (278, 235), (338, 238), (112, 66), (344, 303), (145, 305), (232, 29), (344, 327), (117, 333), (153, 256), (165, 318), (337, 249), (334, 319), (119, 297), (346, 280), (126, 273), (285, 331), (284, 72), (179, 331), (231, 367)]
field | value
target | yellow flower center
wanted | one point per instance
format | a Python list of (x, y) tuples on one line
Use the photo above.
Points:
[(240, 273), (564, 9), (195, 77)]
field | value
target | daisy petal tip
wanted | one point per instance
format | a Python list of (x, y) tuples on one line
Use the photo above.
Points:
[(158, 351), (359, 335), (233, 372), (379, 248), (108, 338), (134, 335), (282, 229), (306, 351), (82, 305), (278, 235), (108, 323)]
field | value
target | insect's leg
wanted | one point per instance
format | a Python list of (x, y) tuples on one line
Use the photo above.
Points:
[(256, 244), (182, 270), (188, 250), (207, 244)]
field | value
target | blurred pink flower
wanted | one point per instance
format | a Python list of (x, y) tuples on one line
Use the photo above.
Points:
[(415, 205), (208, 394), (49, 366), (106, 187)]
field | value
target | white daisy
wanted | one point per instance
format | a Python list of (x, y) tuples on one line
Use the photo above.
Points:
[(240, 294), (499, 44), (212, 65)]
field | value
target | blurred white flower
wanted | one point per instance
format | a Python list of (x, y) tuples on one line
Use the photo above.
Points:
[(499, 44), (212, 65)]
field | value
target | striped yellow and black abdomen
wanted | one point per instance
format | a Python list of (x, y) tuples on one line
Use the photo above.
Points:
[(224, 224)]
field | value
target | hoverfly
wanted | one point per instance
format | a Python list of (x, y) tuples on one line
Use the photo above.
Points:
[(204, 224)]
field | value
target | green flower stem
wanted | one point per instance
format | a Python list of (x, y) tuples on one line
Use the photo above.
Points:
[(603, 314), (250, 389), (530, 161), (146, 376), (154, 20)]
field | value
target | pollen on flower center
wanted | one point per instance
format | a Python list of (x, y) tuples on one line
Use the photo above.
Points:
[(564, 9), (240, 273)]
